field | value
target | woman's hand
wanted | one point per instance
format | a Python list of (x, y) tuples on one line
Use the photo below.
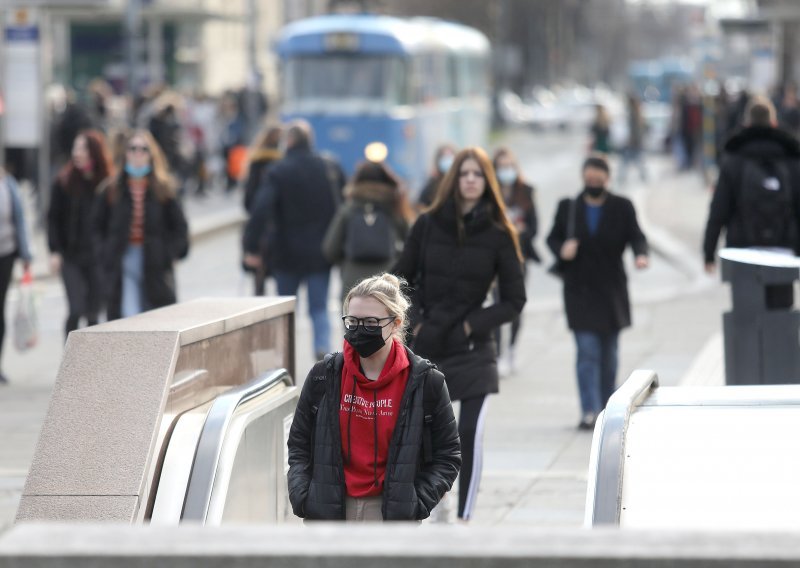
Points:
[(642, 261)]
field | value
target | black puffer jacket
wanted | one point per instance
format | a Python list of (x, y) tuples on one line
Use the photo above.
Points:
[(451, 280), (411, 489)]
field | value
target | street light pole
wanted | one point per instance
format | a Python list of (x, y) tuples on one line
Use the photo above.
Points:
[(133, 26)]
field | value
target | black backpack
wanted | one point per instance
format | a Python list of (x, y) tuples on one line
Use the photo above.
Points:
[(767, 205), (431, 386), (370, 235)]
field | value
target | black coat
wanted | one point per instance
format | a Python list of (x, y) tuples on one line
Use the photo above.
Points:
[(521, 209), (69, 222), (295, 207), (595, 283), (166, 239), (450, 281), (316, 469), (256, 175), (755, 142)]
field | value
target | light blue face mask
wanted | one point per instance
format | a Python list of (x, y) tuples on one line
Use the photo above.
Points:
[(137, 172), (445, 163), (506, 175)]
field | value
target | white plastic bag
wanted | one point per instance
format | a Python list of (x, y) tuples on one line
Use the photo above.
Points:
[(26, 325)]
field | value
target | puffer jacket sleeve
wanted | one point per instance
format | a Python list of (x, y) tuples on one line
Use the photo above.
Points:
[(300, 444), (511, 285), (437, 478)]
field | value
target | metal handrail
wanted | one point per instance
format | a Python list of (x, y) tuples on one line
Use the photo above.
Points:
[(609, 460), (209, 446)]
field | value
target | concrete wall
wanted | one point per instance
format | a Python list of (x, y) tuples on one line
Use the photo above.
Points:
[(388, 546)]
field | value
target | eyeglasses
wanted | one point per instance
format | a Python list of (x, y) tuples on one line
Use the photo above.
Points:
[(351, 323), (135, 148), (467, 173)]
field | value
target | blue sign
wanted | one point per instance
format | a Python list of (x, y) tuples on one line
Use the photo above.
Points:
[(22, 33)]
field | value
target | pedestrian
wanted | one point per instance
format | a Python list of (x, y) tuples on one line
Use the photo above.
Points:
[(294, 208), (373, 437), (518, 197), (13, 244), (442, 161), (790, 110), (370, 227), (757, 196), (168, 132), (633, 152), (263, 153), (232, 139), (589, 236), (69, 227), (600, 131), (454, 253), (140, 231)]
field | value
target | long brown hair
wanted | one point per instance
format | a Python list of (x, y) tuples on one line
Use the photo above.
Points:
[(159, 179), (449, 189), (72, 180), (268, 139)]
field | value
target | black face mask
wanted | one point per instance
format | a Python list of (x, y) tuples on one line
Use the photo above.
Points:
[(594, 190), (365, 342)]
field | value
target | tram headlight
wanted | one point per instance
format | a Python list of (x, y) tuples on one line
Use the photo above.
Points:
[(376, 151)]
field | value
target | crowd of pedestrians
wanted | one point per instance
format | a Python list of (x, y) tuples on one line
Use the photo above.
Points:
[(432, 288)]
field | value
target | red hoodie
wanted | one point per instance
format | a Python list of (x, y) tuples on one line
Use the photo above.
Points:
[(368, 412)]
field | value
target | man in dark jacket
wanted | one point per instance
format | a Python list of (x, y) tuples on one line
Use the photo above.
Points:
[(589, 236), (294, 208), (757, 198)]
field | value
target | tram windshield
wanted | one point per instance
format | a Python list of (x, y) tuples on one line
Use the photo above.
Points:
[(375, 78)]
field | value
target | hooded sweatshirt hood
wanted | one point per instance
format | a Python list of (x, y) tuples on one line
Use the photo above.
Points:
[(368, 413)]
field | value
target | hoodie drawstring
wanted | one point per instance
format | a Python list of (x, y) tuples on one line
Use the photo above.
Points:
[(349, 421), (375, 423)]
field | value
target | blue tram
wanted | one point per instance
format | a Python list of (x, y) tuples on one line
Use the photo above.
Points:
[(391, 85)]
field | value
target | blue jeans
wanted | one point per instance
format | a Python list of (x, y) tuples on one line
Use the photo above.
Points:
[(317, 287), (596, 368), (132, 281)]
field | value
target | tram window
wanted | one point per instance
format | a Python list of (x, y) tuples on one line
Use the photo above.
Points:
[(362, 77), (453, 86)]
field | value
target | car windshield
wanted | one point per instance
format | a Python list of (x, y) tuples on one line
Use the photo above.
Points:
[(346, 77)]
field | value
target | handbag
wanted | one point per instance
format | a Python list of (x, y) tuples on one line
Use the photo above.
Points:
[(26, 325), (557, 268)]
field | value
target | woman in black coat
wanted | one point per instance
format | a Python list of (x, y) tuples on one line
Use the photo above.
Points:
[(589, 236), (263, 153), (140, 231), (373, 437), (69, 226), (453, 254)]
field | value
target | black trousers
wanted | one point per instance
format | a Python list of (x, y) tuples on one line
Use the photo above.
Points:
[(470, 430), (6, 268), (82, 285)]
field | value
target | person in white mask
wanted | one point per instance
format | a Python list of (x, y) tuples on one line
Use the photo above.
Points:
[(519, 198), (442, 160)]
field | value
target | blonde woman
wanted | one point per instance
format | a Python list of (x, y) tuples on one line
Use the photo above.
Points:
[(140, 230), (374, 437)]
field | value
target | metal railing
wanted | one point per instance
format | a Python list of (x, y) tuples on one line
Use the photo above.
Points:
[(207, 460)]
